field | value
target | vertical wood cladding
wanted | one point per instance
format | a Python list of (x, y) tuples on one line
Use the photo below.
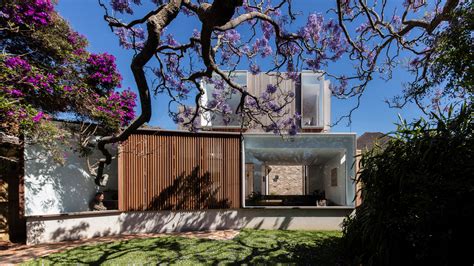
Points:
[(166, 170)]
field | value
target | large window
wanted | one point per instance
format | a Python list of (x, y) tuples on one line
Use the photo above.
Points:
[(215, 119), (305, 170), (315, 100)]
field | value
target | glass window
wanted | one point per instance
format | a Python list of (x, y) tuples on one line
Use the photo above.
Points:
[(313, 90), (304, 170), (233, 99)]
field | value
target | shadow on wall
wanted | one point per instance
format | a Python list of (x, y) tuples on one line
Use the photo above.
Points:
[(96, 225), (90, 225), (35, 232), (52, 188), (186, 192), (71, 233), (205, 220), (190, 192)]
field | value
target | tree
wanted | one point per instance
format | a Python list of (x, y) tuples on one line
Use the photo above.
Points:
[(382, 36), (46, 72), (417, 192)]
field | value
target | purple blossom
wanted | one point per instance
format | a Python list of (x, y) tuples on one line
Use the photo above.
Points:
[(102, 71), (250, 102), (131, 38), (271, 88), (212, 104), (232, 36), (314, 64), (290, 49), (414, 4), (267, 50), (4, 15), (38, 117), (313, 27), (263, 46), (34, 12), (254, 69), (274, 106), (121, 6), (79, 51), (15, 93), (247, 7), (291, 73), (293, 130), (187, 11), (267, 29), (346, 7), (118, 106), (17, 62), (325, 36), (170, 40), (41, 83), (196, 34), (75, 38)]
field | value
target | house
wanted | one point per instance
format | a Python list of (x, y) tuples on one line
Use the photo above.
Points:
[(218, 178), (296, 171), (369, 140)]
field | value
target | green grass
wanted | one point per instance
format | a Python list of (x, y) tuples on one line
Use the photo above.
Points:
[(249, 247)]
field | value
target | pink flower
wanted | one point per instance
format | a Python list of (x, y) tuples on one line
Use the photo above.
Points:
[(38, 117)]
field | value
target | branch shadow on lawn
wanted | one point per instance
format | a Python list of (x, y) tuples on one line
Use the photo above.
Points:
[(250, 247)]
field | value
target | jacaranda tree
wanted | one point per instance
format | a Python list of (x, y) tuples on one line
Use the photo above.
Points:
[(46, 71), (374, 35)]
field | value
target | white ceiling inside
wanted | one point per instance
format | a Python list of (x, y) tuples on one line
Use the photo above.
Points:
[(294, 156)]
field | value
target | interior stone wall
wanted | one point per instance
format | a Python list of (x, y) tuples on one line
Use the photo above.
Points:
[(285, 180)]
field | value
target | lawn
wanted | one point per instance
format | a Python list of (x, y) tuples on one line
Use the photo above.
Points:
[(250, 246)]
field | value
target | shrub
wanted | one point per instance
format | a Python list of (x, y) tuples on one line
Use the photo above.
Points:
[(418, 197)]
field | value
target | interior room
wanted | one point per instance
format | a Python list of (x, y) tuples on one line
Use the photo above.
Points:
[(291, 175)]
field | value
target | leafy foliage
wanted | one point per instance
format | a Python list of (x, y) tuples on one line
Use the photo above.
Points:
[(449, 61), (232, 34), (46, 71), (417, 196)]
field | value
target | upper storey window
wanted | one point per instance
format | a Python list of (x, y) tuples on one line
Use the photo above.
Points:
[(312, 99), (315, 101), (230, 119)]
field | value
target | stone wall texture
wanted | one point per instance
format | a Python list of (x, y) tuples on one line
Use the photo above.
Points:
[(285, 180)]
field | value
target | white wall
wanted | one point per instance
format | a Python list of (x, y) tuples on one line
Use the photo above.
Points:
[(97, 224), (51, 188), (336, 194)]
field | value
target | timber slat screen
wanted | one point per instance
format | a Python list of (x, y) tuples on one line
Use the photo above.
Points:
[(166, 170)]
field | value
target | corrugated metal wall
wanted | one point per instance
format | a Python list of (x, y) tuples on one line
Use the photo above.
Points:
[(166, 170)]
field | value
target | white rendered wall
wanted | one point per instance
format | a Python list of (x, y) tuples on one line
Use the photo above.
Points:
[(336, 194), (97, 224), (52, 188)]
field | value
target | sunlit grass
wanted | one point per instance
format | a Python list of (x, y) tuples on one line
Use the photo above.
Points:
[(250, 246)]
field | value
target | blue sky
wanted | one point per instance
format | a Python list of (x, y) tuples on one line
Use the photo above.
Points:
[(86, 17)]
